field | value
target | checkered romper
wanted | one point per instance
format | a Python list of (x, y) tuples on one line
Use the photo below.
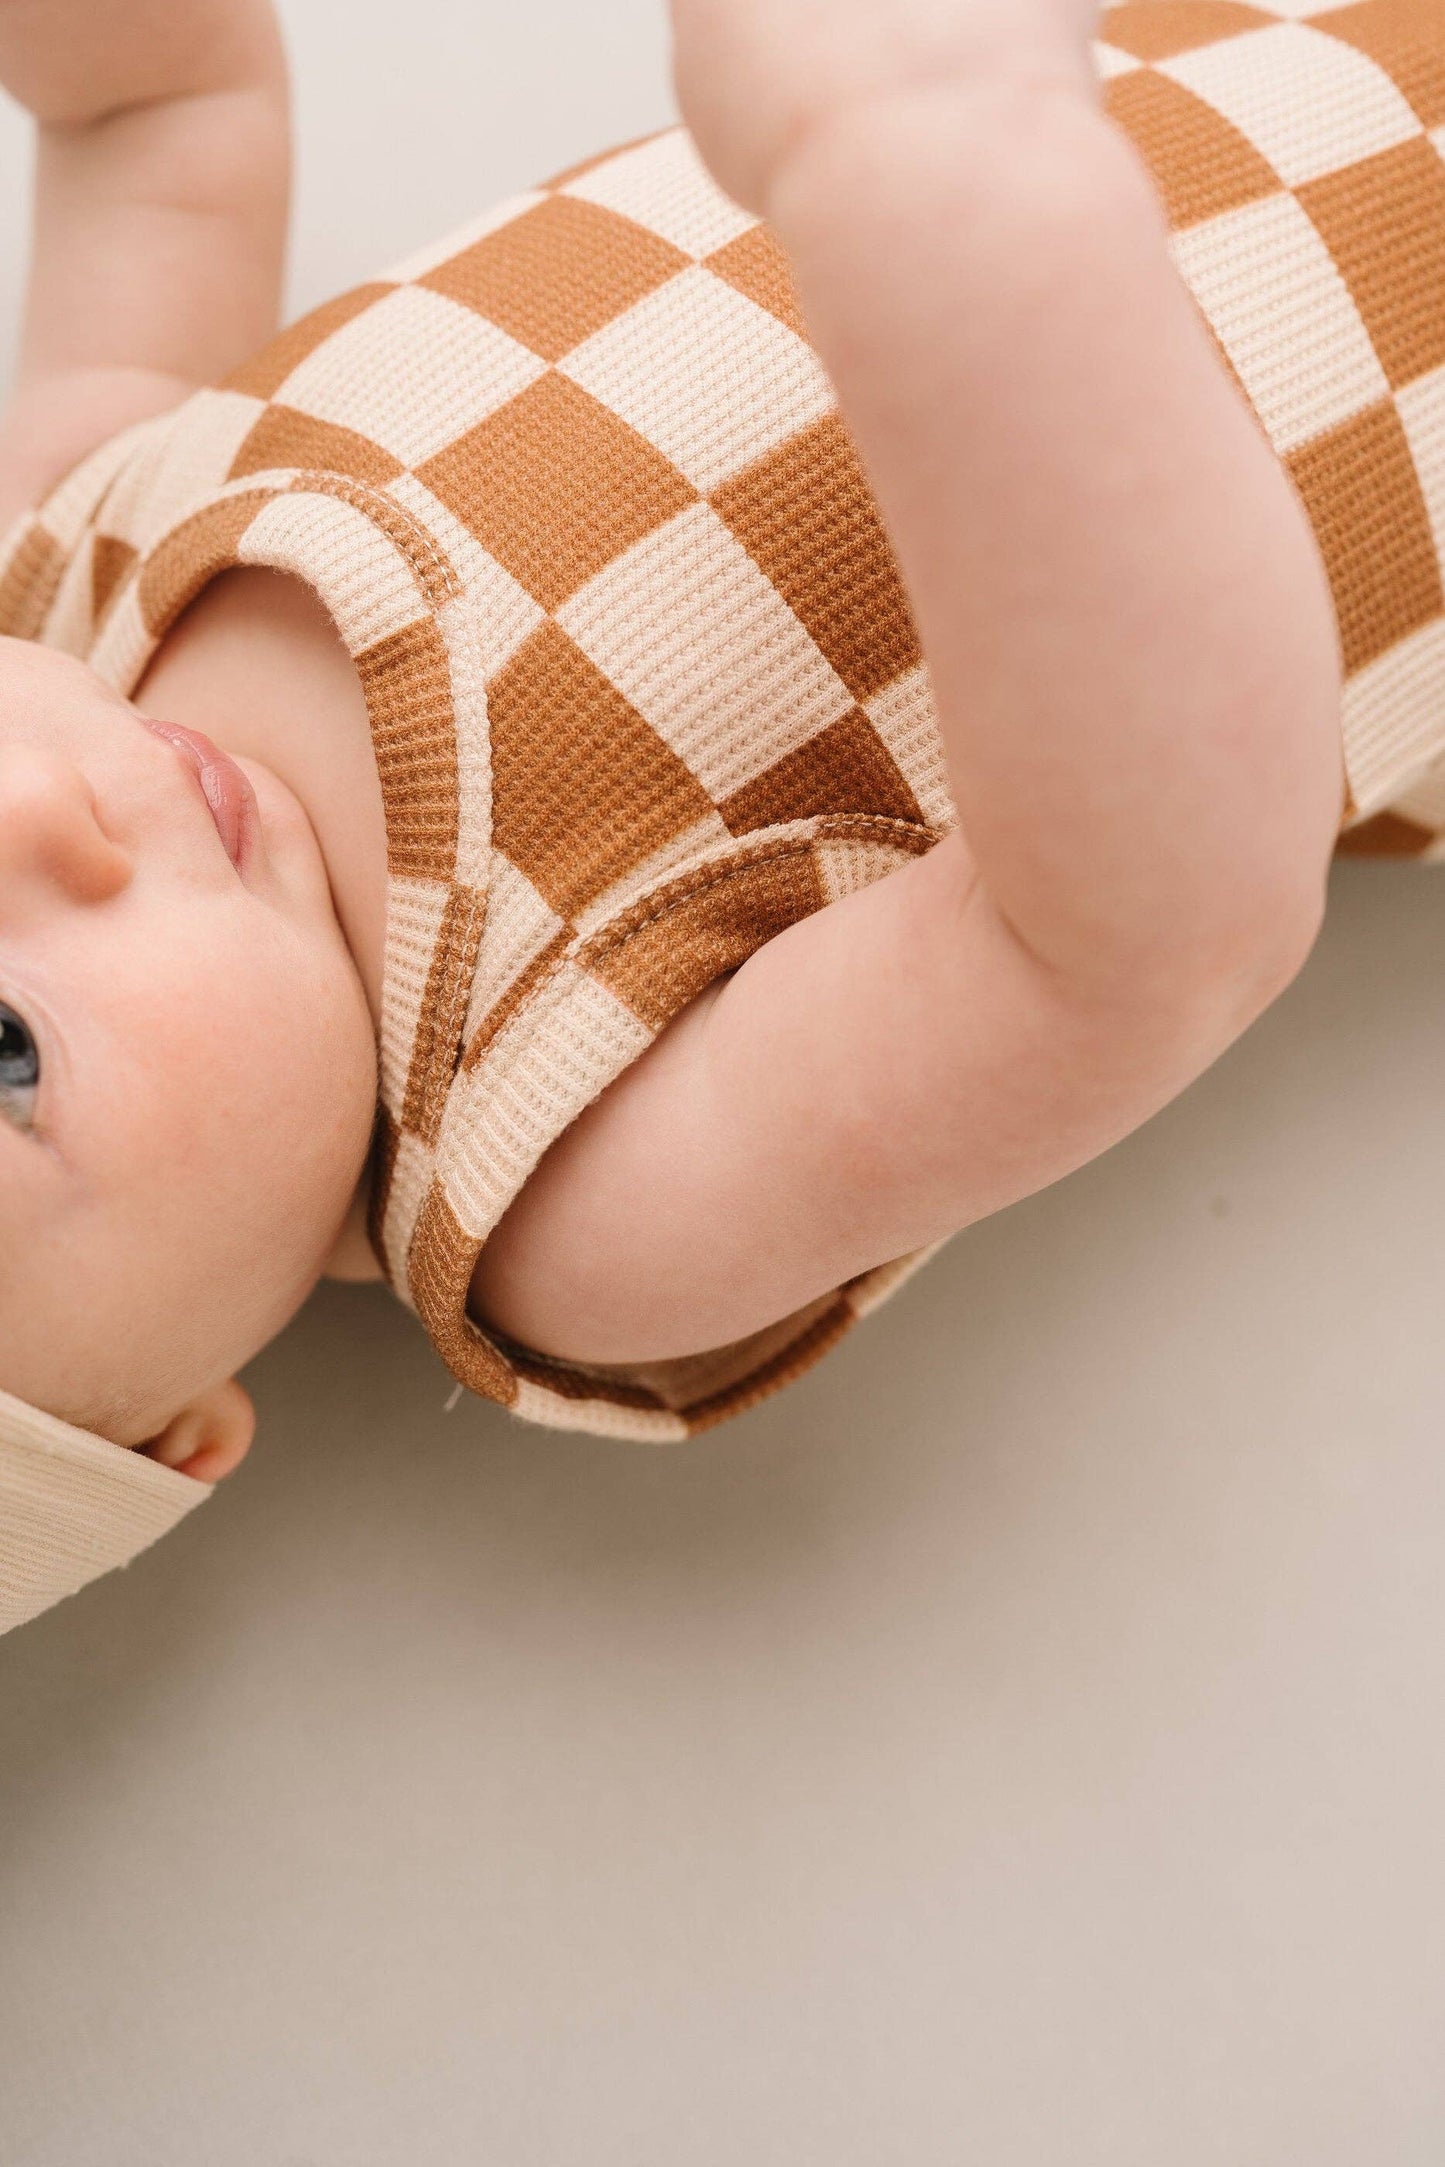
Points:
[(643, 682)]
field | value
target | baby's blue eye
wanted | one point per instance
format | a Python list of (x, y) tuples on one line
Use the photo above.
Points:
[(19, 1068)]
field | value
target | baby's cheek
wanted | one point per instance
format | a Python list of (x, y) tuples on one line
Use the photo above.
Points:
[(316, 1077), (248, 1101)]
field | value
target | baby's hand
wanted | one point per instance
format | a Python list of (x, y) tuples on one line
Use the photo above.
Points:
[(754, 76)]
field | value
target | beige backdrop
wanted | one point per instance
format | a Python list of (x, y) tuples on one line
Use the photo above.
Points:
[(1019, 1744)]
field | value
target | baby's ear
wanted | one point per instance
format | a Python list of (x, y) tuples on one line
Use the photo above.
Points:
[(210, 1437)]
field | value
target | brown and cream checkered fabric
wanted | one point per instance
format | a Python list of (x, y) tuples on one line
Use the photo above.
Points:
[(643, 682), (1299, 146)]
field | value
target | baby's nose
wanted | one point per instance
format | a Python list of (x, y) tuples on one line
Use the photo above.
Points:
[(51, 831)]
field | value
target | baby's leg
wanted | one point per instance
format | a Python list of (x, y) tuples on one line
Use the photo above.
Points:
[(1134, 652), (1122, 600)]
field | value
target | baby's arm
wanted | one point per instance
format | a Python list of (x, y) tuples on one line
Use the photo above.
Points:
[(161, 183), (1135, 658)]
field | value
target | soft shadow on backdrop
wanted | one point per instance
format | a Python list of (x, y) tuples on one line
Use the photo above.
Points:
[(1020, 1742)]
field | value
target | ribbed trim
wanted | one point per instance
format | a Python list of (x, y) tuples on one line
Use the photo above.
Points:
[(73, 1506)]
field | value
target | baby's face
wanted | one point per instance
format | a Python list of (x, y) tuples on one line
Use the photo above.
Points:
[(187, 1061)]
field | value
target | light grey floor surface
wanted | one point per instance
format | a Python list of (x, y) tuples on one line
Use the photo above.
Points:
[(1021, 1743)]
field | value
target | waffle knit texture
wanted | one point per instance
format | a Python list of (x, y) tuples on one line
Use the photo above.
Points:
[(643, 682)]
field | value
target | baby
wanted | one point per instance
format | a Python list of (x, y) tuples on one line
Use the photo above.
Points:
[(757, 705)]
